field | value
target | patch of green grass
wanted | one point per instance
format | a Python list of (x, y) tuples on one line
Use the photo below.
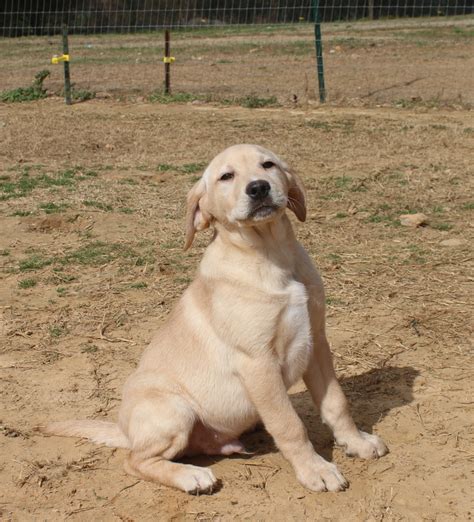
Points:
[(341, 215), (438, 209), (61, 291), (249, 101), (98, 204), (398, 177), (417, 255), (335, 258), (21, 213), (165, 167), (25, 94), (442, 226), (252, 102), (168, 245), (146, 259), (52, 208), (57, 331), (128, 181), (344, 125), (333, 301), (98, 253), (435, 102), (17, 188), (126, 210), (210, 31), (323, 125), (182, 280), (187, 168), (298, 47), (385, 219), (89, 348), (463, 32), (433, 34), (415, 249), (139, 285), (34, 262), (179, 97), (59, 276), (468, 206), (5, 252), (26, 181), (342, 181), (27, 283), (81, 95), (416, 259), (191, 168)]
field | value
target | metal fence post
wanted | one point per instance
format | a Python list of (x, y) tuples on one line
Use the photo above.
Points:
[(67, 73), (319, 51), (167, 63)]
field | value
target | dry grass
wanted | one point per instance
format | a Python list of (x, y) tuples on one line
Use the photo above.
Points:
[(390, 62)]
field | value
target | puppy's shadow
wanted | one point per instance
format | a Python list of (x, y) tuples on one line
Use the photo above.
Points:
[(371, 395)]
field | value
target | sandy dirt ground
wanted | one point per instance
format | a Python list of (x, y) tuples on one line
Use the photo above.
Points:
[(91, 263)]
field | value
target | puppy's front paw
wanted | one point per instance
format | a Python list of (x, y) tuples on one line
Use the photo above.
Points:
[(321, 475), (366, 446)]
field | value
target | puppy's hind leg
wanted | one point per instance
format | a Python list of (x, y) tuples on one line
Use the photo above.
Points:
[(159, 426)]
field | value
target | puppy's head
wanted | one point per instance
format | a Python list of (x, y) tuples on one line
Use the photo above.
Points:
[(243, 186)]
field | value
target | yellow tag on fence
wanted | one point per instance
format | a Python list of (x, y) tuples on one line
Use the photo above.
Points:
[(168, 59), (62, 58)]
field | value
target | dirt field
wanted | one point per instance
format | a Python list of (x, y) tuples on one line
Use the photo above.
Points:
[(91, 262), (422, 62)]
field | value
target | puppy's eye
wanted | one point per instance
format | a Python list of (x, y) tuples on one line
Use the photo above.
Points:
[(226, 176), (268, 164)]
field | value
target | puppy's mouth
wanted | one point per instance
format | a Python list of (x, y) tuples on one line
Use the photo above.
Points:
[(262, 211)]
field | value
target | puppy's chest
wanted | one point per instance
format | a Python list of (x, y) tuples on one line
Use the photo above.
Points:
[(293, 340)]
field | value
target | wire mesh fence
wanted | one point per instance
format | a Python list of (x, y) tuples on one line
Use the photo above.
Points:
[(254, 52), (30, 17)]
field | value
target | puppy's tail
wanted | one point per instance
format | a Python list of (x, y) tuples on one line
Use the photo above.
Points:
[(98, 431)]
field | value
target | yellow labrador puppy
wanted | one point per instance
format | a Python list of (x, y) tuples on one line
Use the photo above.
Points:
[(249, 326)]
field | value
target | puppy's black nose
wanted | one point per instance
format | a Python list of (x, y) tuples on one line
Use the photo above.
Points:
[(258, 189)]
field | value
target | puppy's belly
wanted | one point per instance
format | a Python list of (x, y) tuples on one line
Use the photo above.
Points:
[(227, 408), (204, 440)]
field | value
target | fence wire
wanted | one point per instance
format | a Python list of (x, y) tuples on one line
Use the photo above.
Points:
[(375, 52), (30, 17)]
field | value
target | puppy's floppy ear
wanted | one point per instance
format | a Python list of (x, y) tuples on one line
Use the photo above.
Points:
[(196, 217), (296, 195)]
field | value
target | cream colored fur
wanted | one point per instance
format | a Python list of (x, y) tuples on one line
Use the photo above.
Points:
[(249, 326)]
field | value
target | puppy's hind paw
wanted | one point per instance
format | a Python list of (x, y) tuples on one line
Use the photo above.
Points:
[(196, 480)]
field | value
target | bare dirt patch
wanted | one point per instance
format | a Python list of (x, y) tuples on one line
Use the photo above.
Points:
[(91, 209)]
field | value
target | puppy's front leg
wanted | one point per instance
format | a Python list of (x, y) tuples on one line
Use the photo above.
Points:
[(264, 384), (328, 396)]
